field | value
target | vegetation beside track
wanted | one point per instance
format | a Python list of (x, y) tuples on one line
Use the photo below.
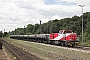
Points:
[(49, 52), (8, 54)]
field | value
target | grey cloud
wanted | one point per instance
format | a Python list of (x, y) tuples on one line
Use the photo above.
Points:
[(17, 13)]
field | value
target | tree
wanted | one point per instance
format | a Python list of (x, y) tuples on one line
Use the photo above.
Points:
[(29, 28), (1, 34), (35, 28), (87, 31)]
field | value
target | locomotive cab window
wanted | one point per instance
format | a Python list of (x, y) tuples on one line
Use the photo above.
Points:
[(60, 32), (67, 31)]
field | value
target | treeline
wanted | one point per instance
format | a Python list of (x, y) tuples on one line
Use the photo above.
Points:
[(74, 23), (3, 34)]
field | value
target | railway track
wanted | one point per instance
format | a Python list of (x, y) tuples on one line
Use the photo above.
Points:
[(18, 53), (87, 48), (70, 53)]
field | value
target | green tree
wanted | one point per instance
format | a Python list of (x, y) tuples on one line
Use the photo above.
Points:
[(87, 31), (1, 34), (35, 28), (29, 29)]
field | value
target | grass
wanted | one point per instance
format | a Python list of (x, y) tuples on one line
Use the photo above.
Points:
[(49, 52), (8, 54), (87, 43)]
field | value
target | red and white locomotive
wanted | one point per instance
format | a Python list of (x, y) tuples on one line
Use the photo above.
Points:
[(64, 38)]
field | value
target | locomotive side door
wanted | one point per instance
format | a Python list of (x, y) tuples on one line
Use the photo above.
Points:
[(61, 34)]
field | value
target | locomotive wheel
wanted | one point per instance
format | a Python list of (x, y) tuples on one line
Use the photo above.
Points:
[(73, 45), (62, 44)]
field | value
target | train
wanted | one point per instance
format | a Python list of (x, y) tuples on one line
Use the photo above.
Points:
[(63, 38)]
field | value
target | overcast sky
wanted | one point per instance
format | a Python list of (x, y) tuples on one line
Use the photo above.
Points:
[(18, 13)]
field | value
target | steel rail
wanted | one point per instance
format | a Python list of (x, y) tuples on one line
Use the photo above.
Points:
[(14, 50)]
